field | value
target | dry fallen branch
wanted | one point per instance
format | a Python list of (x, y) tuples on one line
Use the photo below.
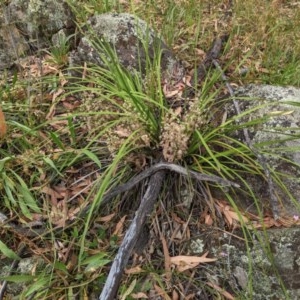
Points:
[(211, 55), (164, 166), (112, 282), (156, 173)]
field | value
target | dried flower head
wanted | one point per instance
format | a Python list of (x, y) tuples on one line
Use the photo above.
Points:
[(128, 121), (177, 130)]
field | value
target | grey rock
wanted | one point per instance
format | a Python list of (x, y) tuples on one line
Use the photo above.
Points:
[(269, 92), (272, 260), (277, 139), (241, 276), (39, 20), (267, 267), (12, 43), (133, 41), (29, 25), (60, 38), (26, 266)]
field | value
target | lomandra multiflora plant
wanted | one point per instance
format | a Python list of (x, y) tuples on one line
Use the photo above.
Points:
[(120, 104), (121, 107)]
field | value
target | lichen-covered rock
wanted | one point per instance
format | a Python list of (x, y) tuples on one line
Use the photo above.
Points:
[(277, 139), (12, 42), (134, 42), (30, 24), (26, 266), (253, 271), (40, 19)]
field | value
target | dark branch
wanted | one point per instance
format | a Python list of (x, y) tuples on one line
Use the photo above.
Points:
[(212, 54), (164, 166), (114, 277)]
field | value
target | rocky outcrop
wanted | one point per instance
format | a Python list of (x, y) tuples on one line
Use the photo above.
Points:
[(29, 25), (26, 266), (268, 269), (12, 43), (134, 42), (276, 139)]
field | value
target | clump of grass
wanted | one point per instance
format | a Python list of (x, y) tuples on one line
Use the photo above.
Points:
[(59, 52)]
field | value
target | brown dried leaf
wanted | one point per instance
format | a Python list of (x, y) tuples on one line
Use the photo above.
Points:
[(167, 257), (237, 217), (177, 219), (70, 105), (184, 263), (230, 215), (119, 227), (106, 218), (170, 93), (139, 295), (200, 52), (54, 195), (221, 291), (122, 132), (57, 94), (208, 220), (175, 295), (161, 292), (134, 270)]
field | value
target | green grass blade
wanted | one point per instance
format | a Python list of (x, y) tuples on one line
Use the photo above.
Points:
[(8, 252)]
